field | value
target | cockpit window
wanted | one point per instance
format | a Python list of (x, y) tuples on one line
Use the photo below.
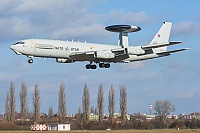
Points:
[(20, 42), (17, 43)]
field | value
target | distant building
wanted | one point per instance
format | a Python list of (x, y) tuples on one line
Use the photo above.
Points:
[(20, 118), (50, 127), (149, 117), (93, 117), (39, 127), (194, 115), (128, 117), (59, 127), (43, 116), (172, 116), (116, 115), (140, 116), (70, 118)]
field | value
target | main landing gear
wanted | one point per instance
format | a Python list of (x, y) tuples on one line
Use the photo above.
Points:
[(101, 65), (90, 66)]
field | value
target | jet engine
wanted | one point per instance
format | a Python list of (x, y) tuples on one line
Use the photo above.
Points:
[(61, 60), (135, 51), (105, 54)]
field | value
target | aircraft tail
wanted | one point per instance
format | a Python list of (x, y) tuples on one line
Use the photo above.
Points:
[(161, 37)]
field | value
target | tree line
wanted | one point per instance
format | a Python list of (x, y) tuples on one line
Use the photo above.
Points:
[(34, 115), (24, 114), (81, 119)]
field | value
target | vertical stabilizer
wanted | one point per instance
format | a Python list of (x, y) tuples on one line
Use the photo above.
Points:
[(162, 36)]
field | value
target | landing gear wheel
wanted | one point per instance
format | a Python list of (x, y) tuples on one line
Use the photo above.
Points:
[(89, 66), (30, 61), (107, 65), (93, 66), (101, 65)]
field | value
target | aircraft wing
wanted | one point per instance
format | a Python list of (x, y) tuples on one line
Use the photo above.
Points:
[(82, 55), (117, 54), (172, 51), (160, 45)]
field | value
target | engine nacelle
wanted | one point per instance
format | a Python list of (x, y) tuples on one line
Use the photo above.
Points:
[(60, 60), (106, 54), (135, 51)]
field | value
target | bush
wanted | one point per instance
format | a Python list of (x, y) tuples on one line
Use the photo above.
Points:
[(12, 126)]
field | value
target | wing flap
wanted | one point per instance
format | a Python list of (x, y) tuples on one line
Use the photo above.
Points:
[(160, 45)]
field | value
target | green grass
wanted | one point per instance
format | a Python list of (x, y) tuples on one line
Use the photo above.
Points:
[(112, 131)]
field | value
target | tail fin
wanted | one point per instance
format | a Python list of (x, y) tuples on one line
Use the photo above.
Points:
[(162, 36)]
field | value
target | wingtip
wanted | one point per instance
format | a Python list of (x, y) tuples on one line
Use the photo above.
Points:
[(187, 48)]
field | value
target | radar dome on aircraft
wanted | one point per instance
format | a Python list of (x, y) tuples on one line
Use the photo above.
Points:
[(123, 28)]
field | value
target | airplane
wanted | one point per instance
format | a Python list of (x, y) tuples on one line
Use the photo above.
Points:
[(101, 54)]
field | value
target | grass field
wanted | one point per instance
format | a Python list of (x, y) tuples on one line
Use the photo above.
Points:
[(112, 131)]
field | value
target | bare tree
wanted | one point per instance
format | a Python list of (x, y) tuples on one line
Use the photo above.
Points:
[(79, 110), (86, 103), (62, 110), (91, 109), (12, 102), (23, 101), (100, 100), (111, 104), (96, 111), (123, 104), (36, 104), (163, 108), (79, 118), (50, 112), (7, 107)]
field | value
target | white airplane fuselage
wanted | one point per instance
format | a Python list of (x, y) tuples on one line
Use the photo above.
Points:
[(63, 49), (103, 54)]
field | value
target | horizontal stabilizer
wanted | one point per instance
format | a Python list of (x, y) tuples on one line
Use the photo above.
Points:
[(172, 51), (160, 45)]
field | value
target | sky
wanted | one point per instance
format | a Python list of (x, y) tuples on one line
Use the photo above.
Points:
[(175, 78)]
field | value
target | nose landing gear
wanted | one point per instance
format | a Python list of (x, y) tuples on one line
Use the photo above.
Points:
[(30, 60)]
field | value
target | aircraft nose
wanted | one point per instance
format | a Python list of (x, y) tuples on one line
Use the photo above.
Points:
[(15, 49), (12, 47)]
